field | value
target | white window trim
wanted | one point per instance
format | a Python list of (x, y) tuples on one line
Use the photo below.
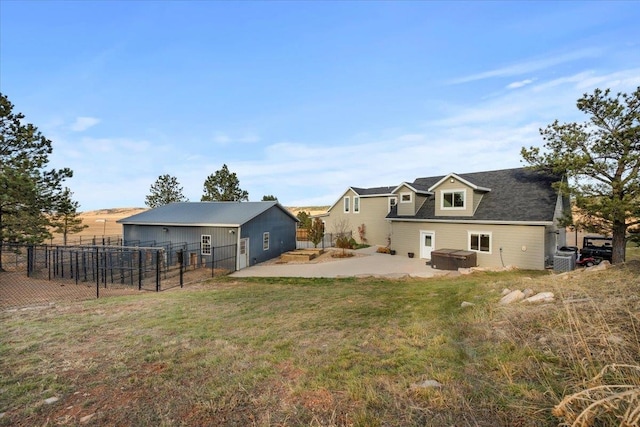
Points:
[(265, 241), (406, 194), (346, 204), (356, 204), (453, 208), (480, 233), (204, 245), (389, 205)]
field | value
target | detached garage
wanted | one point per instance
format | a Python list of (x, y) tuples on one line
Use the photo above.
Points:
[(256, 231)]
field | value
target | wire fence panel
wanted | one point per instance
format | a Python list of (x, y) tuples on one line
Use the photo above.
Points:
[(47, 273)]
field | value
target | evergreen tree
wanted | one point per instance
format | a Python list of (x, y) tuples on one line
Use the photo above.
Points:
[(269, 197), (601, 158), (65, 219), (29, 193), (305, 220), (223, 186), (165, 190)]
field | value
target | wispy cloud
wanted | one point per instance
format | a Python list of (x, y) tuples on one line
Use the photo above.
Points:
[(224, 138), (83, 123), (529, 66), (522, 83)]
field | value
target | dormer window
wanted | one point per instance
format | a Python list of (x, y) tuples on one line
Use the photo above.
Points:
[(406, 197), (453, 199)]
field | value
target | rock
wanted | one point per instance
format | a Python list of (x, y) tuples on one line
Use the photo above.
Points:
[(528, 292), (86, 418), (466, 304), (51, 400), (600, 267), (427, 384), (506, 291), (511, 297), (540, 297)]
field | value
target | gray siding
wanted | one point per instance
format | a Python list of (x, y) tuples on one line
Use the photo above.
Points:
[(523, 246), (282, 235)]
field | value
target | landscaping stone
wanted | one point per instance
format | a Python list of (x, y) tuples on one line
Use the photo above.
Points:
[(540, 297), (512, 297), (466, 304)]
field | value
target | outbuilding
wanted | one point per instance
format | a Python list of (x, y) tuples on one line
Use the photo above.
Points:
[(251, 232)]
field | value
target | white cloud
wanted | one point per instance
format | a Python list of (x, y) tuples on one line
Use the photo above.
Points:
[(224, 138), (522, 83), (83, 123), (527, 67)]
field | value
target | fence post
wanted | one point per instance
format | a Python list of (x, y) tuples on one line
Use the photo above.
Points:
[(139, 269), (180, 265), (157, 271), (213, 261), (97, 274)]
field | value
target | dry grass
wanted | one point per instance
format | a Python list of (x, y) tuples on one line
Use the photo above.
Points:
[(332, 352)]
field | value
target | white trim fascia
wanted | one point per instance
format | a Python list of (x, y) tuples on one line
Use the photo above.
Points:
[(181, 224), (464, 181), (466, 221), (412, 188)]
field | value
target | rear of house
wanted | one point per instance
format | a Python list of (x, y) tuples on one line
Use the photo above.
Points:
[(507, 217)]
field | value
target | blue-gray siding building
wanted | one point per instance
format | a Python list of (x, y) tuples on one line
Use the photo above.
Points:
[(256, 231)]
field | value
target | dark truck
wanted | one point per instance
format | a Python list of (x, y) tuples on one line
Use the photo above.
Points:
[(598, 248)]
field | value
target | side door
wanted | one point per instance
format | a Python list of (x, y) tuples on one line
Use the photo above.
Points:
[(427, 243), (243, 253)]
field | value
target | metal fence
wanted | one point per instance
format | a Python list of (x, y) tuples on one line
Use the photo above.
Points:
[(41, 270), (328, 240)]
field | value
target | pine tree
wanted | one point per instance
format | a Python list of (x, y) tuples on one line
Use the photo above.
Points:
[(165, 190), (65, 219), (29, 193), (223, 186)]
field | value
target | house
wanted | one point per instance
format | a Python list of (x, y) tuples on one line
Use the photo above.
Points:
[(508, 217), (357, 206), (256, 231)]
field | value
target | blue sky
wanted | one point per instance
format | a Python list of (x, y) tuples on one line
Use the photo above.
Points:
[(302, 99)]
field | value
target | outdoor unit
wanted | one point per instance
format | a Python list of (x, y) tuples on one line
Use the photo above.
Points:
[(564, 261)]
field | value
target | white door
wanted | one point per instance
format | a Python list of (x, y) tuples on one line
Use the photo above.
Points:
[(243, 253), (427, 243)]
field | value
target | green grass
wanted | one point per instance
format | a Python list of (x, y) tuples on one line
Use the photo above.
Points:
[(283, 351)]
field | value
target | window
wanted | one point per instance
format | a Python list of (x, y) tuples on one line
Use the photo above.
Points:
[(392, 202), (265, 241), (405, 198), (356, 204), (205, 244), (480, 242), (453, 199), (347, 204)]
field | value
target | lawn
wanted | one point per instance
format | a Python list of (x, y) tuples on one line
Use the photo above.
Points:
[(330, 352)]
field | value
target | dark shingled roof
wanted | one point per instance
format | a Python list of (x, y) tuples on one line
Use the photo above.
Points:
[(520, 194), (374, 191), (203, 213)]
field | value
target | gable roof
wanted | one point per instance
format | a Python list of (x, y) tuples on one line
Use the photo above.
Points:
[(374, 191), (222, 214), (517, 195), (363, 192), (416, 188), (461, 179)]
